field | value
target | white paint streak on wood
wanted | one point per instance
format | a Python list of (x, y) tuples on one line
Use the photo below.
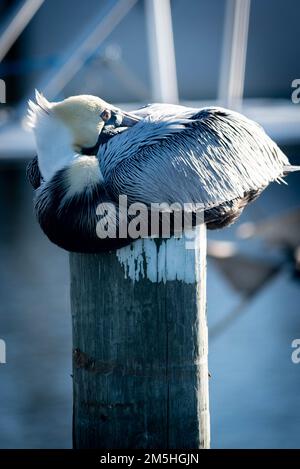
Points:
[(172, 259)]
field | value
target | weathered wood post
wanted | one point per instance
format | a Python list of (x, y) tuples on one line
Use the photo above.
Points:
[(140, 346)]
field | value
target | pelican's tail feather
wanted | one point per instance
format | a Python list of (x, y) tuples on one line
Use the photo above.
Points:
[(291, 168)]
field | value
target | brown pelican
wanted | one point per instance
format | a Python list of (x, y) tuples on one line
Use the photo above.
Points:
[(90, 153)]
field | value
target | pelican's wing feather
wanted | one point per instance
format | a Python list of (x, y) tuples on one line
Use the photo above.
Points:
[(209, 156), (33, 173), (165, 110)]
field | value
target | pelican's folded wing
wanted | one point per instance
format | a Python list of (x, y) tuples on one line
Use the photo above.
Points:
[(210, 157)]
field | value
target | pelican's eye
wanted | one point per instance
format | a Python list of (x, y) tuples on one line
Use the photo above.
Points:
[(106, 115)]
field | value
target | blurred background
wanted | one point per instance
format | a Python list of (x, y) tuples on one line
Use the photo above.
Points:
[(243, 54)]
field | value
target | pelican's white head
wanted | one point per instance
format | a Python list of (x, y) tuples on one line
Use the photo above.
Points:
[(64, 129)]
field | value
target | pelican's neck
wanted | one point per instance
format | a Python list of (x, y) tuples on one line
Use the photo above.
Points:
[(54, 145)]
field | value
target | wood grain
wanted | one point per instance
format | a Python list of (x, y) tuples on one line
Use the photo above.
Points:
[(139, 357)]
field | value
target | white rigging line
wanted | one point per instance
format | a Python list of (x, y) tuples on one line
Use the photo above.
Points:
[(17, 25), (55, 81), (233, 61), (161, 51)]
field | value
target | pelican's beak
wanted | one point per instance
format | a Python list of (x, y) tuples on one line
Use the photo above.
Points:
[(117, 119), (121, 118), (128, 120)]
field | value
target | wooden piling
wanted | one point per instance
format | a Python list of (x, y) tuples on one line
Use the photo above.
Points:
[(140, 369)]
